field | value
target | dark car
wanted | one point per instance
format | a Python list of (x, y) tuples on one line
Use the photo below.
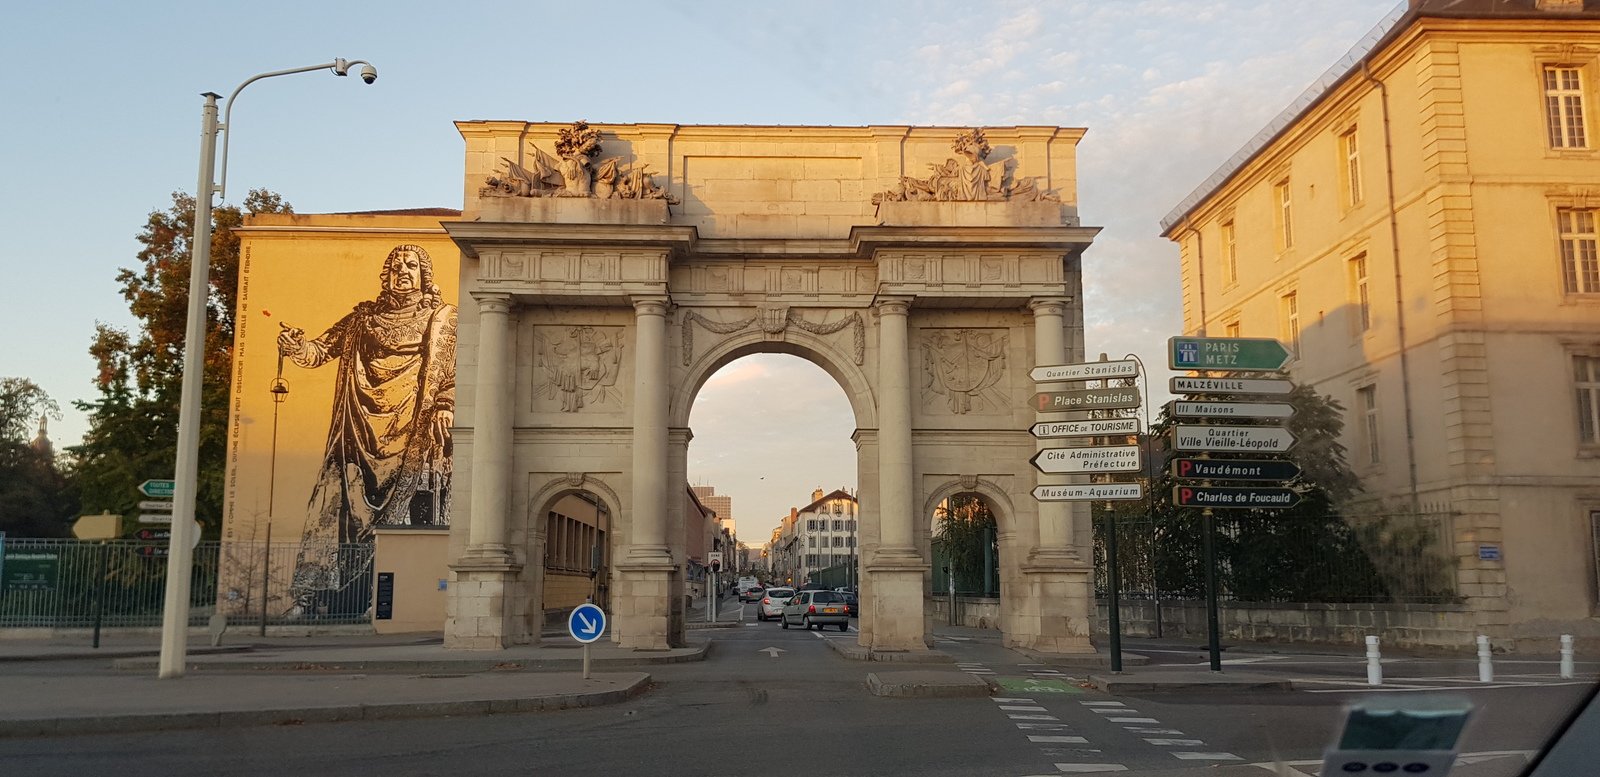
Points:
[(851, 604)]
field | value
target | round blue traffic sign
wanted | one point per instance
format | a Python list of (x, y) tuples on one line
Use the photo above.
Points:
[(587, 622)]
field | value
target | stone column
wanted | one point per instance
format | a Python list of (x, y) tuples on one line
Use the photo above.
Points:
[(643, 604), (487, 571), (1060, 584), (897, 569)]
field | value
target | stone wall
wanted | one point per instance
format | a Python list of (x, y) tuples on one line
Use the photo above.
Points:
[(974, 611)]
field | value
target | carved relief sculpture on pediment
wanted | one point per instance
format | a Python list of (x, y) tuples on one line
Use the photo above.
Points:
[(578, 364), (964, 366), (969, 177), (572, 172)]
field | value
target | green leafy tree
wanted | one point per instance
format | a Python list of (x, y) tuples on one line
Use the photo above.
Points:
[(34, 497), (965, 534), (133, 424)]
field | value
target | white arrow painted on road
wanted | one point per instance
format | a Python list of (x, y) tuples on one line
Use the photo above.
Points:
[(588, 625), (772, 651)]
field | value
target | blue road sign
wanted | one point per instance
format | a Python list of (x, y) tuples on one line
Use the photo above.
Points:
[(587, 622)]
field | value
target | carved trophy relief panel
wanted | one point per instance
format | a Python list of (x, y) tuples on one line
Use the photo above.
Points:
[(969, 177), (576, 368), (964, 370), (575, 170)]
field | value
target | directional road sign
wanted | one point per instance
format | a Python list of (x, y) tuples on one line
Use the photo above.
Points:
[(1100, 458), (1233, 469), (1093, 492), (1235, 498), (1229, 386), (1085, 399), (1226, 353), (155, 517), (1232, 409), (154, 505), (1274, 439), (97, 527), (161, 489), (153, 535), (587, 622), (1085, 371), (1104, 427)]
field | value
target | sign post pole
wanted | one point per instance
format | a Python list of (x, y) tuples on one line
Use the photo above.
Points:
[(1113, 590), (266, 572), (100, 595), (1213, 640)]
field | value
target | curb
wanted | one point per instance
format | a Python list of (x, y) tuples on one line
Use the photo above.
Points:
[(1119, 685), (718, 625), (1095, 660), (926, 684), (117, 654), (856, 652), (293, 716), (432, 665)]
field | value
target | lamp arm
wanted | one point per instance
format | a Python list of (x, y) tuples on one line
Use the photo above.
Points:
[(338, 66)]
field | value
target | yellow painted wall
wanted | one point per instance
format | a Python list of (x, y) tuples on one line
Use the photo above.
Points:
[(307, 271), (419, 560)]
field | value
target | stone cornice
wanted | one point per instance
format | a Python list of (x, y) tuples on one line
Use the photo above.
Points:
[(473, 235)]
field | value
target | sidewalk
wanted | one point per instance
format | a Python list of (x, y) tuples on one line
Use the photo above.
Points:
[(553, 653), (45, 705)]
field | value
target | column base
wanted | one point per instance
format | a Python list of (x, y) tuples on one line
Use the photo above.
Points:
[(899, 620), (1059, 610), (642, 607), (482, 612)]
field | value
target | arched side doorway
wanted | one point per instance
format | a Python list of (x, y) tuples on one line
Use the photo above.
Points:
[(572, 533), (971, 521)]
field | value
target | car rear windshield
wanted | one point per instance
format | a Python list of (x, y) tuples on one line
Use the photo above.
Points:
[(778, 592), (826, 597)]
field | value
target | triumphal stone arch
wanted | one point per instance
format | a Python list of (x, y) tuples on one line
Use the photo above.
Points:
[(608, 270)]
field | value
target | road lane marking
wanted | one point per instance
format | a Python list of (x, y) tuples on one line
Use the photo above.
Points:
[(1175, 742), (1007, 700), (1147, 730), (1133, 720), (1102, 704), (1113, 711), (1031, 717), (1042, 726), (1190, 756), (1016, 708), (1088, 768), (1059, 739)]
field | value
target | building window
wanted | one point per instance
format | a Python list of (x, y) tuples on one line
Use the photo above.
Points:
[(1367, 403), (1230, 254), (837, 508), (1580, 270), (811, 542), (811, 559), (811, 525), (838, 525), (1231, 330), (1352, 167), (1586, 379), (1358, 280), (1285, 215), (849, 542), (1563, 99), (1291, 321)]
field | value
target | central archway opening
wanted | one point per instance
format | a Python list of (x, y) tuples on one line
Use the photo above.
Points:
[(772, 434)]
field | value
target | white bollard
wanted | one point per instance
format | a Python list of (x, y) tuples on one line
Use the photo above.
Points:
[(1485, 668), (1374, 662), (1567, 669)]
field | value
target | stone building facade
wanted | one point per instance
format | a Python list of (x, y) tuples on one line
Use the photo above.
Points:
[(1420, 226), (608, 270)]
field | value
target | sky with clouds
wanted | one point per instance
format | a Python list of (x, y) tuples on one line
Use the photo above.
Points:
[(101, 125)]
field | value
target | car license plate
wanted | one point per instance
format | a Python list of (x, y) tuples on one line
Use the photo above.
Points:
[(830, 609)]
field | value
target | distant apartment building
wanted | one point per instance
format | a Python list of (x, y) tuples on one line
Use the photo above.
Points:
[(818, 536), (1420, 228)]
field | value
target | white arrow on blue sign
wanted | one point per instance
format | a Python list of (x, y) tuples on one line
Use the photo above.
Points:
[(587, 622)]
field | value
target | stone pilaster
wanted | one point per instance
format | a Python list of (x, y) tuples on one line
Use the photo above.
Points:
[(896, 568), (483, 595), (643, 599), (1061, 585)]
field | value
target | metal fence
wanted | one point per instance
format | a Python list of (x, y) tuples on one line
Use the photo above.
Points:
[(1383, 558), (58, 583)]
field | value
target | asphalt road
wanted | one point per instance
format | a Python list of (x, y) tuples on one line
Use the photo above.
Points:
[(805, 711)]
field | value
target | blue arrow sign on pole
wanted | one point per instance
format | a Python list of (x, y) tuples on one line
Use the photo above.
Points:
[(586, 623)]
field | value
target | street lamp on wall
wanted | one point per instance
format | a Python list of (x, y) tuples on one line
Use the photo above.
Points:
[(180, 561)]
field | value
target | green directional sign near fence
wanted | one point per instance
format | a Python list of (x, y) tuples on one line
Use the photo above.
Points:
[(157, 488), (1226, 353)]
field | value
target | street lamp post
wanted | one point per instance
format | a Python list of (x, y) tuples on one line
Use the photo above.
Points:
[(180, 561)]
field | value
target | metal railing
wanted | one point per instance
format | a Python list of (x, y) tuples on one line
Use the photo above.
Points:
[(58, 583), (1384, 558)]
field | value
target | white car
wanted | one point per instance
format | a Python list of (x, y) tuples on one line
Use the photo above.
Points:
[(771, 606)]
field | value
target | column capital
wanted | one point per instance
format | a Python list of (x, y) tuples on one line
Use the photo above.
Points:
[(1048, 306), (892, 306), (651, 306), (493, 301)]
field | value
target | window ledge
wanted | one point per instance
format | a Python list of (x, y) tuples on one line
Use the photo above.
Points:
[(1589, 451), (1580, 299), (1571, 153)]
